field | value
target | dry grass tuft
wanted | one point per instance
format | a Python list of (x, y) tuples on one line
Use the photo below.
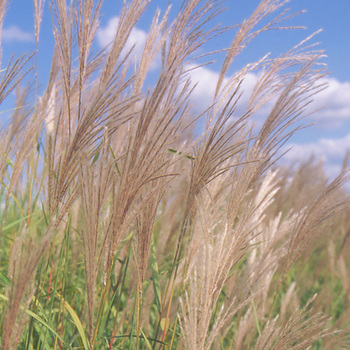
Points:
[(129, 221)]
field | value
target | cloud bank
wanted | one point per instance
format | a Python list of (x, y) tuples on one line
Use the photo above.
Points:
[(334, 102)]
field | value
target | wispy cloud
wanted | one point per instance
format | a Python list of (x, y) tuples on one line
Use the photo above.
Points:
[(14, 33), (105, 36)]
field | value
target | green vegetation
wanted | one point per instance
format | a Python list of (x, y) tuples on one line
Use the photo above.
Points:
[(121, 228)]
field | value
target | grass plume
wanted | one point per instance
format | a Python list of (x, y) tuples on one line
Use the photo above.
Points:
[(129, 220)]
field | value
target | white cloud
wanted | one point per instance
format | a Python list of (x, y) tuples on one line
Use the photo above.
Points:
[(324, 148), (330, 151), (206, 81), (16, 34), (335, 101), (105, 36)]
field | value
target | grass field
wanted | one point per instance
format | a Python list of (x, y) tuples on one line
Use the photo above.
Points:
[(122, 228)]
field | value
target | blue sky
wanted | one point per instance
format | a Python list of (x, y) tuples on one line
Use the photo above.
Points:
[(327, 139)]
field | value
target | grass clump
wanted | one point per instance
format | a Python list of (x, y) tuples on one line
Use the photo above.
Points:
[(124, 227)]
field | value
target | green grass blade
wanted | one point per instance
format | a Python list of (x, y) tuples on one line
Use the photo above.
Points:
[(76, 321), (14, 223), (146, 340), (155, 275), (256, 319), (39, 319), (4, 279), (36, 317)]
